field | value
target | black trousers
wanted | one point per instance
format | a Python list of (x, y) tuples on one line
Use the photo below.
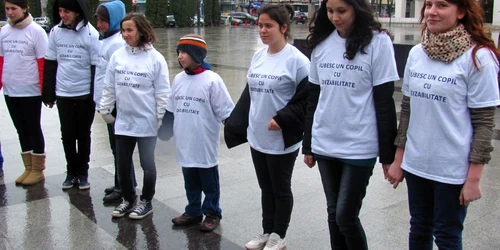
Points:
[(76, 117), (25, 113), (274, 174), (112, 144)]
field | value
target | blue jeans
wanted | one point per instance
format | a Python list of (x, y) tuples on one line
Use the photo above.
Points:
[(1, 157), (435, 211), (345, 187), (125, 146), (206, 180)]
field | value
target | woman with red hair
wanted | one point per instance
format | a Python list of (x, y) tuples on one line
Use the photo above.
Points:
[(451, 86)]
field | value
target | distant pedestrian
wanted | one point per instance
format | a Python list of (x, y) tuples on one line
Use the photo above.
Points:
[(351, 117), (200, 104), (270, 115), (23, 45), (137, 81), (1, 163), (450, 94)]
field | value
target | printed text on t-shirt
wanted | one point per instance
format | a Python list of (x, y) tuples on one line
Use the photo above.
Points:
[(427, 85)]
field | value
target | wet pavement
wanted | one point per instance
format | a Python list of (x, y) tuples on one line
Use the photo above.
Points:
[(46, 217)]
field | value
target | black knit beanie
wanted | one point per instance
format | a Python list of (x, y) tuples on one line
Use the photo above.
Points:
[(194, 45), (23, 4), (71, 5), (102, 12)]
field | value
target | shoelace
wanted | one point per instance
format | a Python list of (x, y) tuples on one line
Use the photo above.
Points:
[(272, 243), (140, 207), (123, 206), (259, 237)]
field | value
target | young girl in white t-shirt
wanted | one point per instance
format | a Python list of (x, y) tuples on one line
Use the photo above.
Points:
[(137, 81), (272, 109), (22, 50), (451, 86), (351, 118)]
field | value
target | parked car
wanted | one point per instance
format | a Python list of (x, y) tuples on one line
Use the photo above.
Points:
[(245, 17), (234, 21), (42, 20), (194, 21), (300, 18), (170, 21)]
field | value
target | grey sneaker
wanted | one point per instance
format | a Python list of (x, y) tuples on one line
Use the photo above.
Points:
[(122, 209), (141, 210), (275, 242), (258, 242)]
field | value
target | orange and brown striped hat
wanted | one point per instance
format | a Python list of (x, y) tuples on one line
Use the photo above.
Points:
[(194, 45)]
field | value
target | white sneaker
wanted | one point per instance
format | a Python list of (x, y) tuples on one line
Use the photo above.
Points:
[(275, 242), (258, 242)]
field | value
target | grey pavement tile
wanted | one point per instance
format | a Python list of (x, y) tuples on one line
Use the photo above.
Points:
[(52, 223)]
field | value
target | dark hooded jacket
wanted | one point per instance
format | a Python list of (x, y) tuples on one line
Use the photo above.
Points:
[(79, 4), (50, 66)]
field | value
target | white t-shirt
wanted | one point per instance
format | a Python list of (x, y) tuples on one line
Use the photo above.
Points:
[(273, 80), (345, 124), (138, 81), (200, 103), (108, 47), (440, 131), (21, 48), (74, 51)]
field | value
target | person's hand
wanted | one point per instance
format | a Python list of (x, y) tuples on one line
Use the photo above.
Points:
[(471, 191), (385, 167), (49, 104), (395, 174), (309, 161), (273, 126)]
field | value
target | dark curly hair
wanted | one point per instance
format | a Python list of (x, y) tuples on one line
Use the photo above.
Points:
[(361, 33)]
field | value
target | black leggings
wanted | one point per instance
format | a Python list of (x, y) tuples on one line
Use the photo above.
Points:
[(25, 113), (274, 174)]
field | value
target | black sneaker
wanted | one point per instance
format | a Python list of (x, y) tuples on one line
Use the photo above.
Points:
[(186, 220), (109, 190), (70, 181), (83, 182), (122, 209), (210, 223), (141, 210), (112, 197)]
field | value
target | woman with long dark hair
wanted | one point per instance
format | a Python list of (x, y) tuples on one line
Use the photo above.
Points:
[(350, 118), (451, 87)]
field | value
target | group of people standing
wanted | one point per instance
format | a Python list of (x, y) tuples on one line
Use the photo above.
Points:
[(338, 106)]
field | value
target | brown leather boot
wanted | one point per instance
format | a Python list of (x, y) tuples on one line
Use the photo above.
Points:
[(26, 156), (37, 167)]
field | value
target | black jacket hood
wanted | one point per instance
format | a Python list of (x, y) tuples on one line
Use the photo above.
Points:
[(82, 11)]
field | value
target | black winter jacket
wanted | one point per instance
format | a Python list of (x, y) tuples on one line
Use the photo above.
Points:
[(290, 119)]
